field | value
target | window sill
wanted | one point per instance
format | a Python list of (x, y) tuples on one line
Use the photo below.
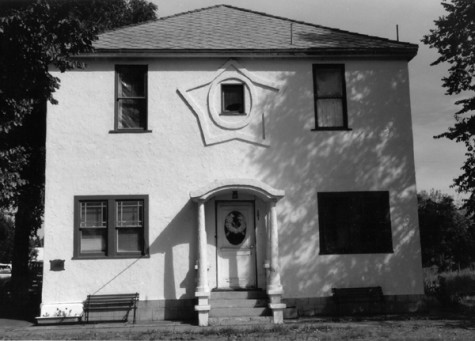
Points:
[(332, 129), (355, 253), (230, 113), (134, 256), (129, 131)]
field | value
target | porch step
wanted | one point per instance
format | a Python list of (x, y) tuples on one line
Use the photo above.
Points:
[(239, 303), (230, 321), (239, 312), (238, 306), (238, 295)]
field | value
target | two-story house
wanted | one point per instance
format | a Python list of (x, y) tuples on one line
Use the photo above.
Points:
[(226, 153)]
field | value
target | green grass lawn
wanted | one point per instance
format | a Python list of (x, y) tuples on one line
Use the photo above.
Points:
[(400, 328)]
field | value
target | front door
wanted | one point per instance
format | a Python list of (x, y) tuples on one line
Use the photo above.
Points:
[(236, 245)]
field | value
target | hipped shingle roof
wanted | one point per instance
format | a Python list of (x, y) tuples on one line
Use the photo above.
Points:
[(231, 29)]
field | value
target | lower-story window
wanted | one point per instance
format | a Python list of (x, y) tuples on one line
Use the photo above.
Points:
[(354, 222), (110, 226)]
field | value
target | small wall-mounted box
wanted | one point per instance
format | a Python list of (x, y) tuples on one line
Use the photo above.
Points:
[(56, 265)]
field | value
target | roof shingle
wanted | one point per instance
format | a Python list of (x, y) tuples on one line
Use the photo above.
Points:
[(228, 28)]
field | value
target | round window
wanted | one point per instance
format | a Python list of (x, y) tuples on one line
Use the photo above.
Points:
[(230, 100), (235, 227)]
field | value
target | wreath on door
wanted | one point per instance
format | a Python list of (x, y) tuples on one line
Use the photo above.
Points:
[(235, 227)]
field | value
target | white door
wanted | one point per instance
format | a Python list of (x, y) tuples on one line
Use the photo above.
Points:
[(236, 245)]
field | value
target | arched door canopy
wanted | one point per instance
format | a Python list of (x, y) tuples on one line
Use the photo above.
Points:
[(250, 186)]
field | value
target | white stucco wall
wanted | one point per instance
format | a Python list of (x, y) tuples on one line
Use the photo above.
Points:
[(83, 158)]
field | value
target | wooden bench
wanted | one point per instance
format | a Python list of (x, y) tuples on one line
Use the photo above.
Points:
[(359, 300), (106, 303)]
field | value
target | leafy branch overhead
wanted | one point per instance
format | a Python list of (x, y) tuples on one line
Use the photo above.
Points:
[(34, 36), (31, 40), (454, 39)]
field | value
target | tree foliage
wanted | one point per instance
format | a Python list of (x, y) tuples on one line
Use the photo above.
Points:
[(103, 15), (30, 42), (447, 235), (35, 36), (454, 39), (32, 39)]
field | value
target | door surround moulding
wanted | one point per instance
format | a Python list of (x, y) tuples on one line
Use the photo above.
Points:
[(250, 186)]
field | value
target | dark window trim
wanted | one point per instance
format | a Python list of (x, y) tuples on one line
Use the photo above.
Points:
[(129, 131), (116, 99), (243, 98), (111, 251), (322, 228), (331, 129), (341, 67)]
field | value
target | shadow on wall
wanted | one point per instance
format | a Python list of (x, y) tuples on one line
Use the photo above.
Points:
[(180, 232), (376, 154), (176, 240)]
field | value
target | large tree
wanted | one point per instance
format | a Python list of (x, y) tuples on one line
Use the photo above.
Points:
[(33, 37), (454, 39)]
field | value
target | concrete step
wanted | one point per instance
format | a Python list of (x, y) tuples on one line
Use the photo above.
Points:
[(234, 295), (231, 321), (239, 312), (238, 303), (238, 306)]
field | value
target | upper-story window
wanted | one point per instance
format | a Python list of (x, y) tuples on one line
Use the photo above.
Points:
[(330, 97), (232, 99), (131, 98)]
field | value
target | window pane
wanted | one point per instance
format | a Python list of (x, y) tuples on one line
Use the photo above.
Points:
[(233, 97), (131, 82), (329, 82), (132, 113), (354, 222), (129, 213), (129, 240), (330, 112), (93, 214), (93, 241)]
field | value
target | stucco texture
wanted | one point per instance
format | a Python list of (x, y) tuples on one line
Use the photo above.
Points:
[(83, 158)]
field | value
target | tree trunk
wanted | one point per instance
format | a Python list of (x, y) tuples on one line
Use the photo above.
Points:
[(30, 207), (20, 274)]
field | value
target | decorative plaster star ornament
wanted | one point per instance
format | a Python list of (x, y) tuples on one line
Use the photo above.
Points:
[(218, 127)]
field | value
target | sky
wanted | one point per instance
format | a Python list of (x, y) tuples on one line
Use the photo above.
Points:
[(438, 161)]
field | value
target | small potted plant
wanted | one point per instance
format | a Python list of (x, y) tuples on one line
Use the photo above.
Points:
[(59, 317)]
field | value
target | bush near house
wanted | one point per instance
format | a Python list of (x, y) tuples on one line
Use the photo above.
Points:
[(455, 290), (447, 235), (448, 250)]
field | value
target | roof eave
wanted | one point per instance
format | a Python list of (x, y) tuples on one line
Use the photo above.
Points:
[(407, 53)]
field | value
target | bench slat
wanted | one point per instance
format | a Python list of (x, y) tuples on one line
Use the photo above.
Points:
[(112, 306), (111, 295), (111, 301)]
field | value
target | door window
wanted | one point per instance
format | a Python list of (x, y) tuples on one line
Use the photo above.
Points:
[(235, 227)]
